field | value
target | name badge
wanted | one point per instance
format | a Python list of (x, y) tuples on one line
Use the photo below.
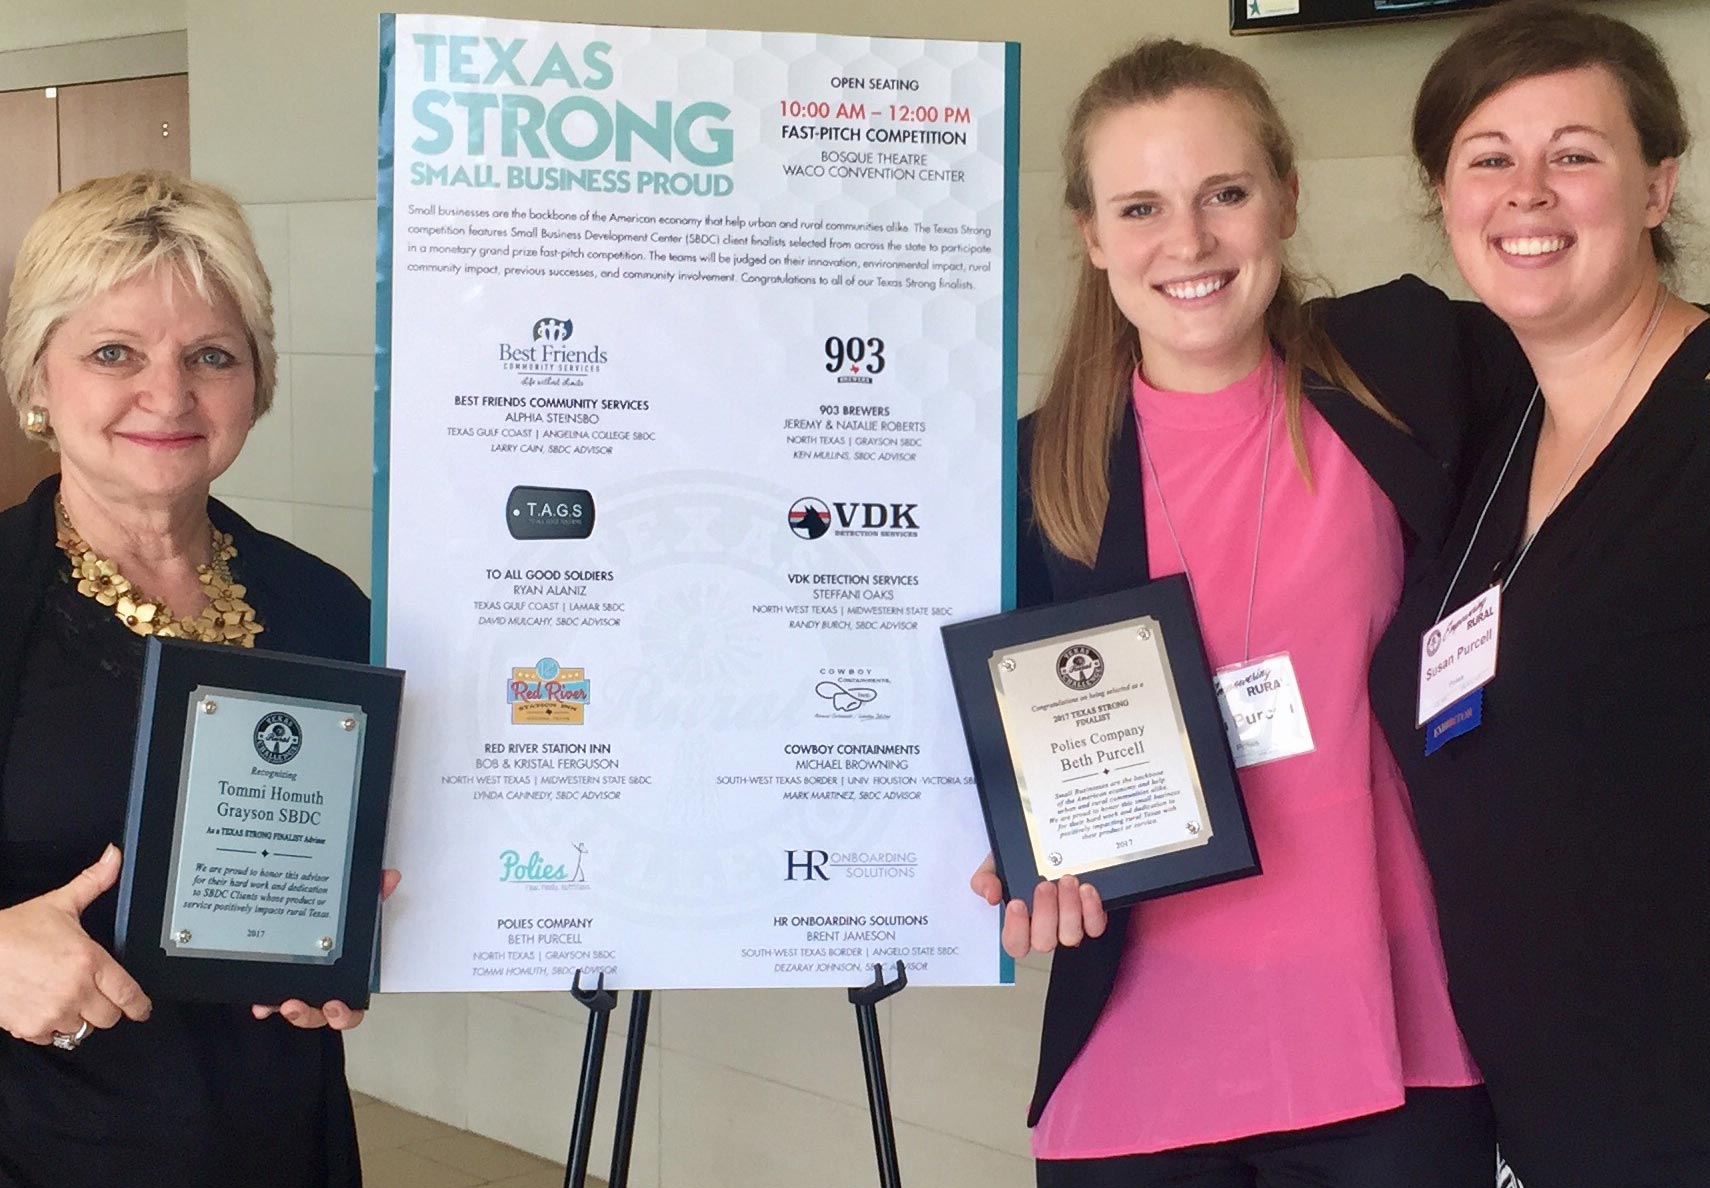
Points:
[(1263, 711), (1458, 655)]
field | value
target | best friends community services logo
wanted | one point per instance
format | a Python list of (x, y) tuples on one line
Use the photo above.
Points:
[(546, 693)]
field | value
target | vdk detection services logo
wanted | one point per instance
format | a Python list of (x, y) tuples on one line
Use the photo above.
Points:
[(812, 518)]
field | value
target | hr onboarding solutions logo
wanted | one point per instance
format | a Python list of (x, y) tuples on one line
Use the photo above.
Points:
[(1080, 667), (811, 518), (812, 865), (278, 737), (552, 352), (546, 693), (536, 872)]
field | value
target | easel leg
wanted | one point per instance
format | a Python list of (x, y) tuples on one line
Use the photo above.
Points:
[(635, 1047), (599, 1002), (865, 1000)]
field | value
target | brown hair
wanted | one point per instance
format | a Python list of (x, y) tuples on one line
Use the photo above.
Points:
[(110, 229), (1078, 419), (1528, 38)]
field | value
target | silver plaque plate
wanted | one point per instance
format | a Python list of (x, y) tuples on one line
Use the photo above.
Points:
[(266, 818), (1100, 748)]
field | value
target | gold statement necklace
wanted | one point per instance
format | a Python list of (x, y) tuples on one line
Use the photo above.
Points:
[(227, 619)]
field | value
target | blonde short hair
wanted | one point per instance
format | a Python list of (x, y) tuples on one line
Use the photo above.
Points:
[(111, 229)]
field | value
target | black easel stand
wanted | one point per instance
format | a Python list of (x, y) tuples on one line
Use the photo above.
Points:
[(600, 1002), (864, 999), (635, 1047)]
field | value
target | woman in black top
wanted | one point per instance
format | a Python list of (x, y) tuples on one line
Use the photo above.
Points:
[(1563, 828), (139, 344)]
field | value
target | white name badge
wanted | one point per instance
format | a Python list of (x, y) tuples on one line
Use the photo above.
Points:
[(1458, 655), (1263, 711)]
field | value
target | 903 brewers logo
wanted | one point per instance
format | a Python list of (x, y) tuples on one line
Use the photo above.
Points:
[(547, 694)]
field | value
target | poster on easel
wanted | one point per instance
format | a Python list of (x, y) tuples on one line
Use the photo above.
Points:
[(695, 406)]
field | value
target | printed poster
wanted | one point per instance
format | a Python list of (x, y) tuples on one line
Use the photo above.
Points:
[(695, 409)]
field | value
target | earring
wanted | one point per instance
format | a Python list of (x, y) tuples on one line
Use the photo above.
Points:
[(36, 420)]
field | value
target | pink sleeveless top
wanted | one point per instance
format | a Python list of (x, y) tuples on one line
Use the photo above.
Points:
[(1314, 992)]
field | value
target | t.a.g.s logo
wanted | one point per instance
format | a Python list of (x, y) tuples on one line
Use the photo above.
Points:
[(550, 351), (812, 518), (535, 871), (550, 513), (547, 694)]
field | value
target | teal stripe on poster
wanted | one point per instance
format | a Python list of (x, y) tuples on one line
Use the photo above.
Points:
[(383, 336), (1011, 355)]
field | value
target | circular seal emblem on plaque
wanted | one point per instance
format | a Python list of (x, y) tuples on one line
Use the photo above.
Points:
[(278, 738), (1080, 667), (1433, 642)]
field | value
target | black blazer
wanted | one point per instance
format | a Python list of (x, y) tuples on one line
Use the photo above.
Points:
[(1442, 367), (308, 600)]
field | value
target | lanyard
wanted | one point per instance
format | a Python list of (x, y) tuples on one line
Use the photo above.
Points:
[(1562, 490), (1258, 536)]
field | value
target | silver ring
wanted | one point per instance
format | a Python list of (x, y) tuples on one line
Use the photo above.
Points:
[(68, 1042)]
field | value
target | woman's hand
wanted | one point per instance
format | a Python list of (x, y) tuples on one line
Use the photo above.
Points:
[(334, 1014), (1063, 912), (52, 976)]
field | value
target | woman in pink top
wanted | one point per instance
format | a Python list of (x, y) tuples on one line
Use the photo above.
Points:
[(1293, 1028)]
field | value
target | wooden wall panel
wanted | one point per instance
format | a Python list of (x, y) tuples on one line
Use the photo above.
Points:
[(138, 123), (28, 182)]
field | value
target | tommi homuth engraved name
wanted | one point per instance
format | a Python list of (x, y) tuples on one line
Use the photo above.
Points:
[(271, 792)]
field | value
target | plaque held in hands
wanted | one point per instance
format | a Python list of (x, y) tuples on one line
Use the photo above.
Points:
[(257, 817), (1099, 747)]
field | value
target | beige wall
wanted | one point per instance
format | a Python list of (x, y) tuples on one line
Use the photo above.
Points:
[(756, 1089), (26, 24)]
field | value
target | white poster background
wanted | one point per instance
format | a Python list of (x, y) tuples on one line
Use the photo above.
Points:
[(752, 798)]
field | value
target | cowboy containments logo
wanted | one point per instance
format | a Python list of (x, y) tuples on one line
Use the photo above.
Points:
[(547, 694), (848, 694)]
